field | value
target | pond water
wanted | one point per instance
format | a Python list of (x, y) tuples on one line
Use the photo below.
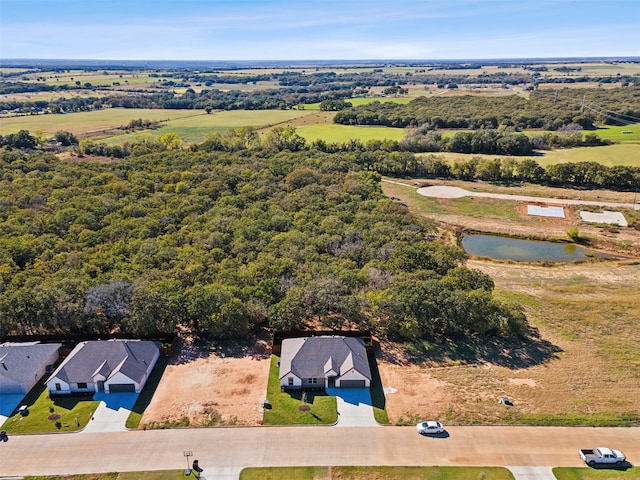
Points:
[(502, 248)]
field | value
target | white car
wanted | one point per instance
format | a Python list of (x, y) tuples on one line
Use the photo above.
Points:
[(425, 428)]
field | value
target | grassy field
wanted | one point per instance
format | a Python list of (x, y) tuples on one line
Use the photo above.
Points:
[(157, 475), (582, 366), (83, 123), (609, 155), (285, 406), (343, 133), (373, 473), (583, 473), (72, 413), (626, 133), (195, 127), (366, 100)]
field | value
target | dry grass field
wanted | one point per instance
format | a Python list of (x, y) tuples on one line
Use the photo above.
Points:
[(582, 366), (581, 363)]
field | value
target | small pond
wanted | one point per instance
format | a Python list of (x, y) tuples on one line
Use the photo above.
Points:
[(502, 248)]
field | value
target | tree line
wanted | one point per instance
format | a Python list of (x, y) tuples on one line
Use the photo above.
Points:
[(545, 109), (387, 157)]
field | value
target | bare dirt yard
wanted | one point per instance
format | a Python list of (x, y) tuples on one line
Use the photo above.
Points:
[(207, 386)]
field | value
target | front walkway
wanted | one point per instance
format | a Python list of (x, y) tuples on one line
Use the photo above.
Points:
[(354, 407), (112, 412)]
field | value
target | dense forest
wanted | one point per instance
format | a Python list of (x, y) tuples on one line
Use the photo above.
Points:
[(545, 109), (221, 243)]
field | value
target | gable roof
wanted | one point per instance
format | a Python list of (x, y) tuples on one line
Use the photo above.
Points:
[(19, 362), (313, 357), (107, 357)]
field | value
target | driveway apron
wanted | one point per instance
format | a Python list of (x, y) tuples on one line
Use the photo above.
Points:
[(532, 473), (354, 407)]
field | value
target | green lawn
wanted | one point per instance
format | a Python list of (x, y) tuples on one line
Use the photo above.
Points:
[(159, 475), (609, 155), (343, 133), (616, 134), (285, 406), (71, 413), (368, 473), (584, 473)]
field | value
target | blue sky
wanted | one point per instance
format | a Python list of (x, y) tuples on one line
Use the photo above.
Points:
[(317, 30)]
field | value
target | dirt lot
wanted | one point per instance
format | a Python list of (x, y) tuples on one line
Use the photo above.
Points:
[(224, 387)]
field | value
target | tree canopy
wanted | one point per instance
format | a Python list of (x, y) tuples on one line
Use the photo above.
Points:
[(222, 243)]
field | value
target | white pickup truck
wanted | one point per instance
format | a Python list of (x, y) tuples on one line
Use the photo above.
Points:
[(601, 455)]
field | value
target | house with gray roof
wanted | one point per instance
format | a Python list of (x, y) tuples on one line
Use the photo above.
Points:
[(324, 361), (23, 364), (108, 366)]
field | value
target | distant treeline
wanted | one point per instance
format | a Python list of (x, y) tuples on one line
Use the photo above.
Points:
[(386, 157), (545, 109)]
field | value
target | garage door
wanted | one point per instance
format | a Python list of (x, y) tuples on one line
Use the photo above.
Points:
[(352, 384), (122, 387)]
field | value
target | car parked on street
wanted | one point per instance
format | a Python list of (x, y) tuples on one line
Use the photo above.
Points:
[(429, 427)]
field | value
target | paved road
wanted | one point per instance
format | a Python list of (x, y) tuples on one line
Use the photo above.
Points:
[(441, 191), (222, 452)]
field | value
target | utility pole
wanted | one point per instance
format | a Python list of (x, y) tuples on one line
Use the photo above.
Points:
[(582, 108)]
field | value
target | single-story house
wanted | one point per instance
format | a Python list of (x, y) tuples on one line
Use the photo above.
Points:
[(324, 361), (23, 364), (108, 366)]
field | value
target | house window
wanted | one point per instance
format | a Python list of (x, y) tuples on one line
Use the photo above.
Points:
[(82, 385), (312, 380), (58, 387), (290, 381)]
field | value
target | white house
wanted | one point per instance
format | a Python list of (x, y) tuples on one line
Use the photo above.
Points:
[(108, 366), (324, 361), (23, 364)]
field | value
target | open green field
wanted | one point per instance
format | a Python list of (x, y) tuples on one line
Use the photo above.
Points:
[(626, 133), (609, 155), (195, 127), (344, 133), (356, 102), (373, 473), (83, 123), (584, 473)]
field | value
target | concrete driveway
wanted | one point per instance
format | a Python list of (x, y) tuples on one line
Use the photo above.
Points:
[(354, 407), (8, 403), (444, 191), (112, 413)]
